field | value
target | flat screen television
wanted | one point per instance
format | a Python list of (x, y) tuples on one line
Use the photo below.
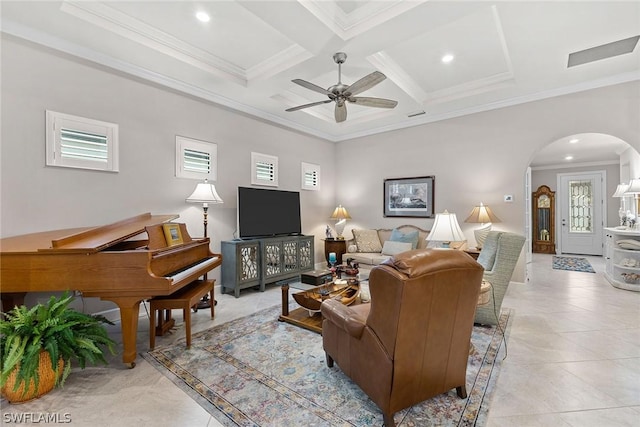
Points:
[(264, 213)]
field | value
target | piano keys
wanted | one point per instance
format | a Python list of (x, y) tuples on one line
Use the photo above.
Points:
[(125, 262)]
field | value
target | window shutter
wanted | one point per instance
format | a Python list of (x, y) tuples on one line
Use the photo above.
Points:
[(310, 176), (264, 169), (81, 143), (196, 159), (75, 144)]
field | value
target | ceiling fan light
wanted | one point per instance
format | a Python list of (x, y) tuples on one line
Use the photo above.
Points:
[(340, 92)]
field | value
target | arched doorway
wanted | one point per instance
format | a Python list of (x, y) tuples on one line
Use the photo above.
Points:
[(579, 155)]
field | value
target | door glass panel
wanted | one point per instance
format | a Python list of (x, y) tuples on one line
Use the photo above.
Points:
[(580, 206)]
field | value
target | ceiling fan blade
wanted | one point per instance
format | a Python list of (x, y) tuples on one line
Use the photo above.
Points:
[(341, 112), (311, 86), (313, 104), (367, 82), (373, 102)]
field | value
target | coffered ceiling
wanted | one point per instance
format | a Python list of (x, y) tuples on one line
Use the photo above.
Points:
[(245, 56)]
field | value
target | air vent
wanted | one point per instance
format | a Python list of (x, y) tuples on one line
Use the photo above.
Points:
[(604, 51)]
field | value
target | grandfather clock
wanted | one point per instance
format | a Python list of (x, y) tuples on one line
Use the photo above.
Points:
[(544, 230)]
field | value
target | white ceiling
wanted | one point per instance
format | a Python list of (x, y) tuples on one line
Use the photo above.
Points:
[(506, 52)]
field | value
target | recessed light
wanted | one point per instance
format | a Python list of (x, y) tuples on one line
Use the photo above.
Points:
[(573, 140), (203, 16), (447, 58), (569, 158)]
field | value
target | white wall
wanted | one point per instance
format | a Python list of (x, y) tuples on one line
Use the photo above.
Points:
[(479, 157), (35, 197)]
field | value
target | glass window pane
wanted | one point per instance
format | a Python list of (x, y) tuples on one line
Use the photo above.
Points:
[(580, 207)]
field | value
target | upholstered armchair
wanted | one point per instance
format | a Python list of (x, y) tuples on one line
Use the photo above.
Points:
[(412, 341), (498, 256)]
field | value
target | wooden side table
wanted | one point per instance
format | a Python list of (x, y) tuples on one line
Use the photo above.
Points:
[(474, 252), (339, 246)]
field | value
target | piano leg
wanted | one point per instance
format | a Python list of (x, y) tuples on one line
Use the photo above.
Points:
[(129, 313)]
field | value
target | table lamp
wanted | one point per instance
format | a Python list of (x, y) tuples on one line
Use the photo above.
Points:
[(341, 216), (634, 190), (446, 230), (204, 193), (481, 215), (621, 189)]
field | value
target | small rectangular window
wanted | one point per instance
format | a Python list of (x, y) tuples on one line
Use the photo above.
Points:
[(79, 142), (310, 176), (264, 169), (196, 159)]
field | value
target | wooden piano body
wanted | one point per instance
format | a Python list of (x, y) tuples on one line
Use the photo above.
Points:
[(115, 262)]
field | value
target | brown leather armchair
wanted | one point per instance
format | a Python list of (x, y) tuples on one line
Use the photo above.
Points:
[(412, 341)]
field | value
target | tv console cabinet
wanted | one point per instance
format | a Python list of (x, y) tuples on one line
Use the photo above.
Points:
[(256, 262)]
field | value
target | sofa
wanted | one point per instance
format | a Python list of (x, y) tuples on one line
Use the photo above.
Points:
[(373, 246), (412, 342)]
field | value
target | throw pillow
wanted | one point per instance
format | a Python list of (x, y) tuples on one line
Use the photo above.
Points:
[(411, 237), (392, 248), (367, 240)]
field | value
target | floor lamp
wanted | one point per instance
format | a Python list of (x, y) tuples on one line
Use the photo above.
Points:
[(205, 193)]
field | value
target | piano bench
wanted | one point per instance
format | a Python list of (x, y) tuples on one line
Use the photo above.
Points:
[(185, 298)]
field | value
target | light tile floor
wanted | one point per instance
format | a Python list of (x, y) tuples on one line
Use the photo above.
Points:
[(573, 352), (573, 360)]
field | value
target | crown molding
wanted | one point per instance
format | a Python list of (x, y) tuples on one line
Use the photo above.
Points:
[(133, 29), (574, 165)]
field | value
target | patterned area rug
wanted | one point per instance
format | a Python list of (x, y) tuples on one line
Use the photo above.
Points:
[(257, 371), (572, 264)]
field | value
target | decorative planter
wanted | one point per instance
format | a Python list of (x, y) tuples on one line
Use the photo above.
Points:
[(46, 383)]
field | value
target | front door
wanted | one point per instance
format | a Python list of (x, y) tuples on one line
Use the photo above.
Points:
[(581, 213)]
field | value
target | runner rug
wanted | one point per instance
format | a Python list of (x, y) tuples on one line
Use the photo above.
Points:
[(572, 264), (257, 371)]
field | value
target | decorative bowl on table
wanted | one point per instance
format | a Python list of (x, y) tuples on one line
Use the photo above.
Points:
[(341, 290)]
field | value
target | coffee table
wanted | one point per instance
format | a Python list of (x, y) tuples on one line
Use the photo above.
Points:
[(301, 316)]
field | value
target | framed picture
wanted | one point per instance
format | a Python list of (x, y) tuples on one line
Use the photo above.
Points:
[(172, 234), (409, 197)]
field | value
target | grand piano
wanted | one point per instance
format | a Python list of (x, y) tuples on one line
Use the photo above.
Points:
[(125, 262)]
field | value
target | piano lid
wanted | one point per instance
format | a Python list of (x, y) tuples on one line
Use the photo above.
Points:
[(85, 240)]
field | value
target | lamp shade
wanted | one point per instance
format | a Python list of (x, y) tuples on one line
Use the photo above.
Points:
[(482, 214), (340, 213), (204, 193), (446, 228), (621, 189), (341, 216), (633, 188)]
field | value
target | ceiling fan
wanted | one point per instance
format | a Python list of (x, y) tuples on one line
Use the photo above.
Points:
[(340, 93)]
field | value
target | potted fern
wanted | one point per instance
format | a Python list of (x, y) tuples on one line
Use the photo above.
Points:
[(37, 345)]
